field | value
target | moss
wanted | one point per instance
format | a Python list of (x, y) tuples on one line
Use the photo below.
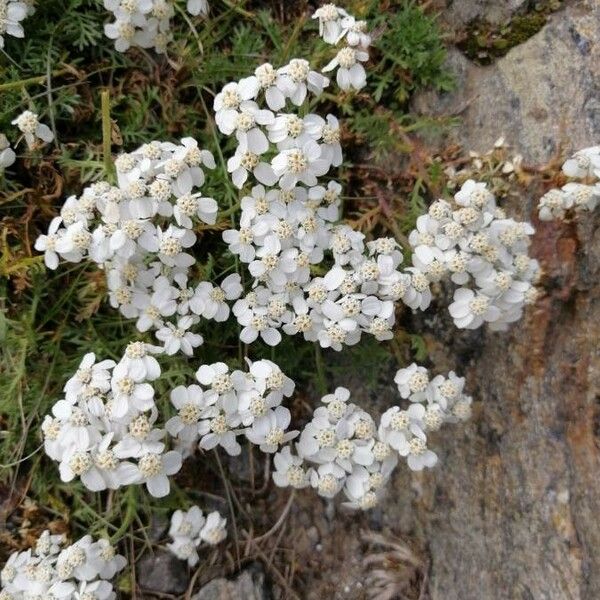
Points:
[(484, 42)]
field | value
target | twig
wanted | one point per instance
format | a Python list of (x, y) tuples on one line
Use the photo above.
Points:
[(279, 522), (275, 572), (231, 511)]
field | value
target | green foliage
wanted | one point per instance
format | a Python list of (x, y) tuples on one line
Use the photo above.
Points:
[(411, 53)]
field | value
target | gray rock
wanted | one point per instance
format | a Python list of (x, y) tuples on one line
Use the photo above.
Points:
[(543, 94), (458, 13), (248, 585), (162, 572)]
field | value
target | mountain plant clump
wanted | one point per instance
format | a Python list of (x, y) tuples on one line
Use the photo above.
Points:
[(291, 267)]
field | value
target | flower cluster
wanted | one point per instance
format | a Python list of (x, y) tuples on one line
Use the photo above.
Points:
[(189, 529), (575, 196), (12, 12), (103, 430), (82, 570), (138, 232), (233, 403), (473, 244), (335, 26), (342, 448), (145, 23)]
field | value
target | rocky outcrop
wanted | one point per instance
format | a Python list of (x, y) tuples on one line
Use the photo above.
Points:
[(512, 512), (544, 94)]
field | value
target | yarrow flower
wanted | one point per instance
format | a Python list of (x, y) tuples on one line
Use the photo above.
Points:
[(190, 529), (32, 129), (12, 12), (103, 430), (7, 154), (574, 197), (145, 23), (308, 274), (342, 448), (51, 569), (139, 232)]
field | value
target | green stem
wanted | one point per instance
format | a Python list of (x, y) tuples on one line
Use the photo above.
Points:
[(129, 517), (321, 381), (13, 85), (106, 132)]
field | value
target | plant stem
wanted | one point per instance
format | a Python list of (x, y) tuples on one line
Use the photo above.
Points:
[(321, 381), (12, 85), (106, 132), (130, 512)]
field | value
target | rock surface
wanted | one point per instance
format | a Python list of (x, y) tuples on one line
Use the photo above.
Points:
[(543, 94), (458, 13), (249, 585), (163, 573), (512, 511)]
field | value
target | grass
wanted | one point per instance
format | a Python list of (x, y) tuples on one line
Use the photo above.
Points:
[(98, 102)]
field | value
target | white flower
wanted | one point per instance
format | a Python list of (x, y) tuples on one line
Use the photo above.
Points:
[(330, 22), (153, 470), (328, 479), (300, 164), (7, 154), (245, 161), (585, 163), (138, 357), (176, 338), (214, 530), (208, 301), (194, 205), (355, 32), (272, 84), (197, 7), (350, 73), (192, 405), (269, 431), (299, 79), (257, 323), (411, 380), (470, 310), (553, 205), (289, 470), (107, 471), (184, 548), (47, 243), (11, 14), (187, 523)]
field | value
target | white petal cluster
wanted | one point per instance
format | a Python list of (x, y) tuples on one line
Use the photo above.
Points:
[(32, 129), (138, 233), (52, 570), (288, 226), (342, 448), (575, 196), (337, 26), (104, 429), (145, 23), (232, 403), (7, 154), (190, 529), (474, 245), (304, 148), (12, 12)]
